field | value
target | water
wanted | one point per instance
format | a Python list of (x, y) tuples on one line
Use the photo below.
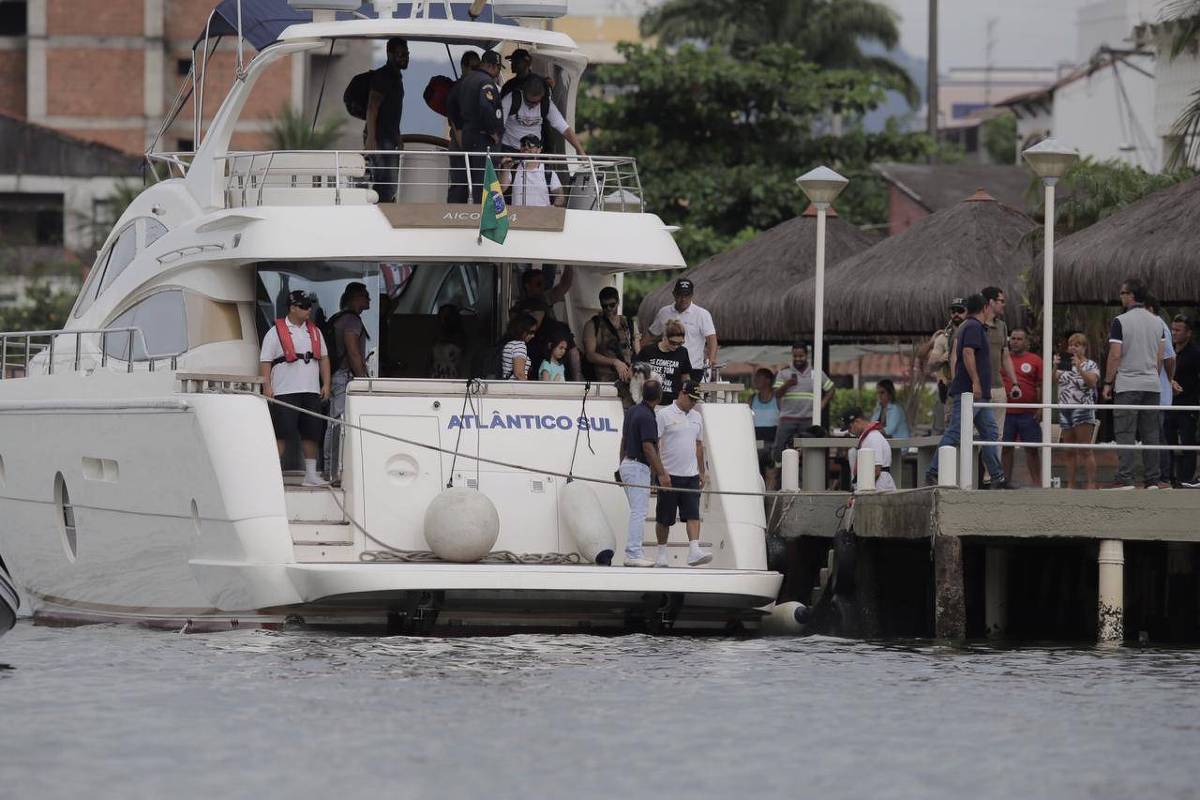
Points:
[(111, 711)]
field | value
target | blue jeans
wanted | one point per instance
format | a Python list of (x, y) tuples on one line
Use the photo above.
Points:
[(638, 474), (985, 423)]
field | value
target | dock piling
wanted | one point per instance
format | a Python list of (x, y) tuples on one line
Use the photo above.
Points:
[(950, 604), (1111, 627), (995, 590), (947, 466), (866, 470)]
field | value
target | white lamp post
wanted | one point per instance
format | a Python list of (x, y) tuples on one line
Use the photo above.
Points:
[(1050, 159), (822, 185)]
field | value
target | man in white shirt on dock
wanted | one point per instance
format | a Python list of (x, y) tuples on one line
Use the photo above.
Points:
[(870, 437), (700, 335), (681, 449)]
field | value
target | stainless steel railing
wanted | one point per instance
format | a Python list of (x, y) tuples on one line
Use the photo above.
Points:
[(21, 349), (360, 177)]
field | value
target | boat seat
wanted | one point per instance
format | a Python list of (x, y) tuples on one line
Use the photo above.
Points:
[(303, 196)]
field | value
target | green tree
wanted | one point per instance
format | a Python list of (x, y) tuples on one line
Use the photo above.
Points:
[(292, 131), (1183, 20), (44, 309), (830, 33), (1000, 139), (720, 139)]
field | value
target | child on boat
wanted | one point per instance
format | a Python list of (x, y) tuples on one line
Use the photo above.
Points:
[(552, 367)]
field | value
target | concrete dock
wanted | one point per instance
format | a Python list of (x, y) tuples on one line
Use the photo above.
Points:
[(1024, 564)]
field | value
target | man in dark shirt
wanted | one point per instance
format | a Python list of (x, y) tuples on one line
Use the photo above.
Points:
[(522, 65), (385, 105), (639, 456), (668, 357), (1180, 426), (457, 193), (482, 119), (973, 373)]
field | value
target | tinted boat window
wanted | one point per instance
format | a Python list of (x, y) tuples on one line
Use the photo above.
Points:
[(123, 251), (162, 319)]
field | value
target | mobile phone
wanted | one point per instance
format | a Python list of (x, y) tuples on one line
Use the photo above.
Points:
[(1064, 361)]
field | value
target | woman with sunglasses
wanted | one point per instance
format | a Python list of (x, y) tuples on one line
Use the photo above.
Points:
[(668, 357), (608, 345), (514, 359)]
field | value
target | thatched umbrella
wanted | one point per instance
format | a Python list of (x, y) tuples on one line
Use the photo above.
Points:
[(742, 287), (1156, 239), (902, 286)]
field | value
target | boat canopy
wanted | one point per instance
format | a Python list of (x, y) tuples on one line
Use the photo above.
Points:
[(264, 20)]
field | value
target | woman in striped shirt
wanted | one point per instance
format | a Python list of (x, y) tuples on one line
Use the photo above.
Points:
[(514, 360)]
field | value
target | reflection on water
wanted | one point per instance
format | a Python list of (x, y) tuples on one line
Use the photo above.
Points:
[(122, 712)]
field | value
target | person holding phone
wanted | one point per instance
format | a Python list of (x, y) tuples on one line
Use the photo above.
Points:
[(1021, 424), (1078, 376)]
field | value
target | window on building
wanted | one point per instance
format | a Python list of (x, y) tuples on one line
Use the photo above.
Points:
[(31, 218), (187, 145), (183, 66), (162, 321), (14, 18)]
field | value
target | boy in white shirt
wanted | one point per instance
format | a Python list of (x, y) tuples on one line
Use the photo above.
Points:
[(531, 184), (870, 435), (681, 449)]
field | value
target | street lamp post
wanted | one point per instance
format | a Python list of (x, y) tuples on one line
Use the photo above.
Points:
[(822, 185), (1049, 159)]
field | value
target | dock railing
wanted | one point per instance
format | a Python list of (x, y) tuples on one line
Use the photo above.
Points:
[(967, 444), (21, 349)]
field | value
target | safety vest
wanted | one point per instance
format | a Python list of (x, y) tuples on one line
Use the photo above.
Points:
[(289, 346), (874, 426)]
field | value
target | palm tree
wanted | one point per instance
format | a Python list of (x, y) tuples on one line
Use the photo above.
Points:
[(830, 32), (292, 131), (1183, 17)]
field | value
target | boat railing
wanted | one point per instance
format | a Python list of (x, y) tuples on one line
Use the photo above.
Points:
[(430, 175), (21, 350)]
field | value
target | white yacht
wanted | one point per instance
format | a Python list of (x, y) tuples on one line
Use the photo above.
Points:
[(139, 478)]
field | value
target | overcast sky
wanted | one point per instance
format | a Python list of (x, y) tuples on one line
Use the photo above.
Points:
[(1028, 33)]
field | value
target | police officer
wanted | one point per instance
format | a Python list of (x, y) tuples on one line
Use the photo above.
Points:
[(457, 192), (483, 121)]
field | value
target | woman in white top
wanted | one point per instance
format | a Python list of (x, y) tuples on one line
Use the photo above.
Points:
[(1077, 384), (514, 359)]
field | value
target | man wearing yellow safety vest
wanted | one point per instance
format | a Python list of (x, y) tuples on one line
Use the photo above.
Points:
[(794, 394)]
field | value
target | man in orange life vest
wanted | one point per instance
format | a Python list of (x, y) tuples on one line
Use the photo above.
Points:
[(295, 370)]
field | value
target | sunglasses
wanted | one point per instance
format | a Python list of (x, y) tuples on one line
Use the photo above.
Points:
[(676, 339), (305, 305), (613, 304), (958, 310)]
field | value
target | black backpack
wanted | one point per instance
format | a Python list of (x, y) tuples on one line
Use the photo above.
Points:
[(357, 94)]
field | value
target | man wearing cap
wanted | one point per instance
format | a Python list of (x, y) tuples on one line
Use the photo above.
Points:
[(935, 355), (870, 436), (531, 184), (385, 104), (482, 118), (526, 112), (700, 335), (681, 448), (295, 370), (521, 63)]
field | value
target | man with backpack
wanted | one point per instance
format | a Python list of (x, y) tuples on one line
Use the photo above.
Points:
[(385, 105), (608, 345), (348, 337), (295, 371), (527, 110)]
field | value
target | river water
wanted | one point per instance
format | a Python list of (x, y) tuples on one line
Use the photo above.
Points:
[(121, 712)]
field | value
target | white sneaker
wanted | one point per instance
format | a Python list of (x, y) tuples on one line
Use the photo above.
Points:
[(639, 561), (699, 559), (317, 481), (661, 560)]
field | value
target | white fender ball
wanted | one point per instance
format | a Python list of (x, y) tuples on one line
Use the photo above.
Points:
[(461, 525)]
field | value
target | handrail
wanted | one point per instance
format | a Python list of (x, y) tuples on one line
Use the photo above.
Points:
[(967, 444), (12, 338)]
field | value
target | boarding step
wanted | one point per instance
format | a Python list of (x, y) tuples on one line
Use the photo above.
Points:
[(337, 553), (313, 504), (338, 534)]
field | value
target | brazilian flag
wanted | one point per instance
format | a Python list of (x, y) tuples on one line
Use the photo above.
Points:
[(493, 221)]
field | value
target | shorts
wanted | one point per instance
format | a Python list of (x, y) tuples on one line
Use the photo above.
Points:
[(687, 503), (287, 421), (1021, 428), (1074, 417)]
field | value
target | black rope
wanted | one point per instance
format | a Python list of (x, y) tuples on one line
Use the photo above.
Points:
[(580, 424), (472, 384), (324, 80)]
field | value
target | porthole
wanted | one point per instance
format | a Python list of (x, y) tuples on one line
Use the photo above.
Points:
[(65, 517)]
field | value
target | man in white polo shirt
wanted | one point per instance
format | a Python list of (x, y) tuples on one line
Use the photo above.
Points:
[(681, 448), (295, 370), (700, 335)]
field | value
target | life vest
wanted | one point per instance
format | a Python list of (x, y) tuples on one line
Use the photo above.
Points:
[(874, 426), (289, 346)]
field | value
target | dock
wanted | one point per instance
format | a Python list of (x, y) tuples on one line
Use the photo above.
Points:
[(1029, 564)]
